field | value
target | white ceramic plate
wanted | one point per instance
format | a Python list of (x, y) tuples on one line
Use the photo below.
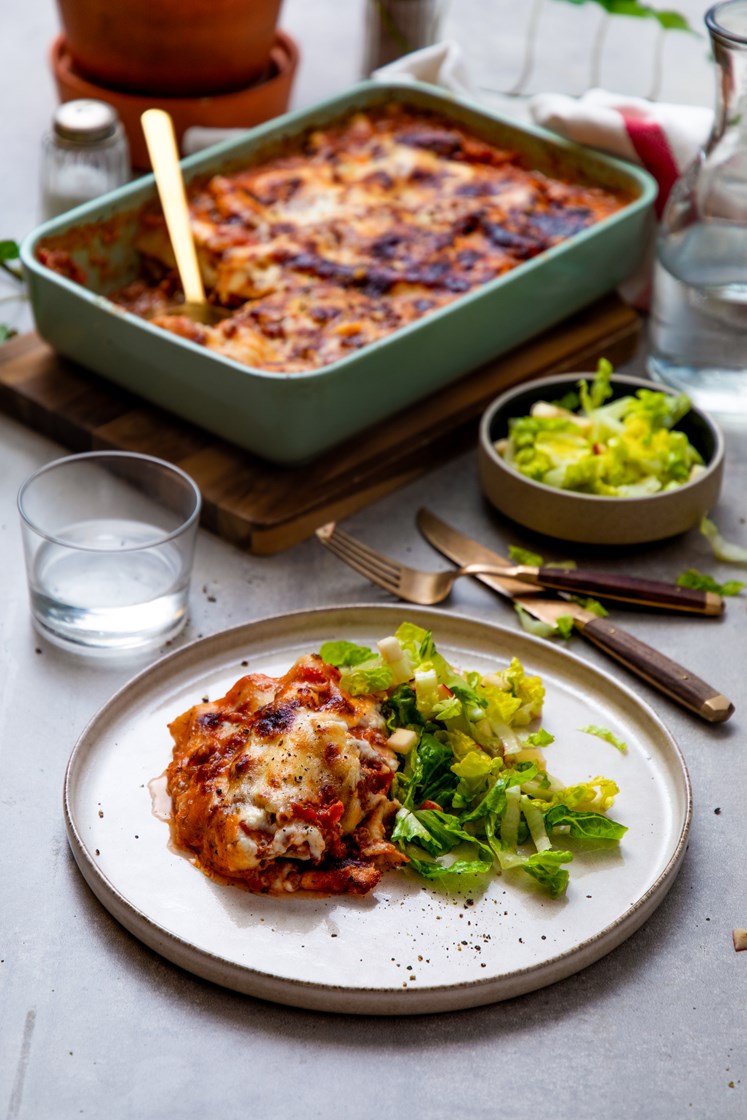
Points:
[(405, 948)]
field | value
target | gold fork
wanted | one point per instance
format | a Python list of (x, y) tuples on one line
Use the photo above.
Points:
[(410, 584), (427, 588)]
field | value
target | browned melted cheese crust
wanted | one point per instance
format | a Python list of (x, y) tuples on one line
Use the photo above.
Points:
[(283, 785), (370, 225)]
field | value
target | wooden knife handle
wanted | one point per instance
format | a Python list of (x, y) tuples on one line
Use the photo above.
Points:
[(647, 592), (677, 682)]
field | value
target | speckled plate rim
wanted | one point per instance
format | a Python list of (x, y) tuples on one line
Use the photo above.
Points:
[(347, 997)]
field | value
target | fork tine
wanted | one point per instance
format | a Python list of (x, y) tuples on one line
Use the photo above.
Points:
[(365, 554), (364, 569), (345, 545), (364, 560)]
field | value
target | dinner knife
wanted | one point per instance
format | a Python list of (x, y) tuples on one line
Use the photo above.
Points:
[(611, 585), (621, 588), (671, 678)]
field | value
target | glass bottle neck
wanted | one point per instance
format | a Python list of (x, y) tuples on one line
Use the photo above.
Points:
[(727, 25)]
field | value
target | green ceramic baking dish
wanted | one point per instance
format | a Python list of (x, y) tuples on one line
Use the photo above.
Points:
[(290, 418)]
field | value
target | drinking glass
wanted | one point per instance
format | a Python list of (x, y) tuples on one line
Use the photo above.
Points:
[(108, 539)]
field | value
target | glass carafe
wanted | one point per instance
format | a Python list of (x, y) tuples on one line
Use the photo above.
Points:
[(698, 327), (397, 27)]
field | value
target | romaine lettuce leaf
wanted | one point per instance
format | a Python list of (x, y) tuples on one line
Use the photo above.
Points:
[(500, 701), (342, 654), (584, 825), (562, 628), (546, 868), (589, 604), (529, 689), (461, 867), (448, 710), (467, 694), (493, 804), (700, 582), (597, 795), (419, 645), (524, 556), (468, 757), (363, 679), (409, 829), (400, 708), (446, 832), (535, 626), (726, 551), (607, 735), (437, 781), (438, 834), (624, 447), (476, 770), (540, 738), (594, 397)]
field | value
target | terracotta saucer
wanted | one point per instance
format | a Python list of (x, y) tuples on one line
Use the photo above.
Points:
[(240, 109)]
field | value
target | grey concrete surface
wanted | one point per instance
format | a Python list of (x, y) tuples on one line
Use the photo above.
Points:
[(94, 1024)]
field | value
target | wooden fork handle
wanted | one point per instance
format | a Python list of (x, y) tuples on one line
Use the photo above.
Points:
[(668, 676), (644, 592)]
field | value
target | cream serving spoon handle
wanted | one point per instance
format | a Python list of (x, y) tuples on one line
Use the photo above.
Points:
[(164, 157)]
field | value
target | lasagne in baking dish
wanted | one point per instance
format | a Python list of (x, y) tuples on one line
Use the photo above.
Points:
[(283, 784), (363, 227)]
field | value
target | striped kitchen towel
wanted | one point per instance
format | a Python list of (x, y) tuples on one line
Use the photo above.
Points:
[(663, 138)]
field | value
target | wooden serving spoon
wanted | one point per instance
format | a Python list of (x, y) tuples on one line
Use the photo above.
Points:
[(164, 157)]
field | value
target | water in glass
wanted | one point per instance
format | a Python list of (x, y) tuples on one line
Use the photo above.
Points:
[(109, 589)]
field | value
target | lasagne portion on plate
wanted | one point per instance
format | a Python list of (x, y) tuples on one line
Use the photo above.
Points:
[(363, 227), (283, 784)]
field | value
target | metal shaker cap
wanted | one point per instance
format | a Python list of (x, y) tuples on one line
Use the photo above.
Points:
[(85, 121)]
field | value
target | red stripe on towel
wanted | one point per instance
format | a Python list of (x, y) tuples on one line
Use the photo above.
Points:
[(653, 150)]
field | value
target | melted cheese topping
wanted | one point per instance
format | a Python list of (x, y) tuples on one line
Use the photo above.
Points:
[(283, 784), (365, 226)]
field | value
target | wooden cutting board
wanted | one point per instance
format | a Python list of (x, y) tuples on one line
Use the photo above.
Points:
[(266, 508)]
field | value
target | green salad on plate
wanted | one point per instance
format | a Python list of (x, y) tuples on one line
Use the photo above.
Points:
[(474, 795)]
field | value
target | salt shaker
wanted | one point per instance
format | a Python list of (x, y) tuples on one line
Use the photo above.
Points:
[(83, 156)]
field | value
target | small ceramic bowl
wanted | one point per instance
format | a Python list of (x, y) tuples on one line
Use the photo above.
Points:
[(590, 518)]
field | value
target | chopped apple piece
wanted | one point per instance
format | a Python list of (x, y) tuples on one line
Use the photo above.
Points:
[(402, 740), (390, 649)]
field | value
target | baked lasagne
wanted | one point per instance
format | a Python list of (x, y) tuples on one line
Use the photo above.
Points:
[(283, 785), (363, 227)]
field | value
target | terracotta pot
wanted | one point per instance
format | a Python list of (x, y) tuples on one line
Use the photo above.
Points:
[(240, 109), (176, 48)]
